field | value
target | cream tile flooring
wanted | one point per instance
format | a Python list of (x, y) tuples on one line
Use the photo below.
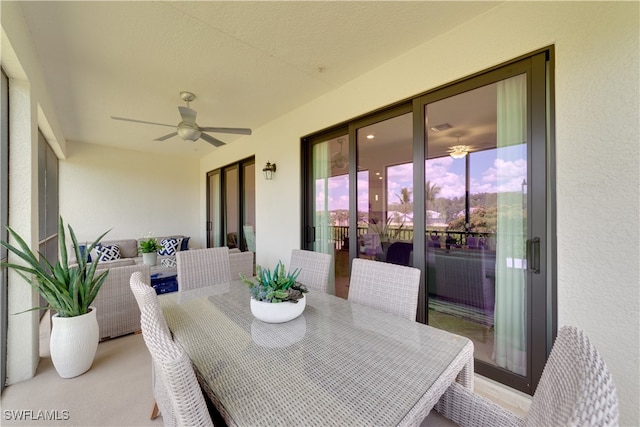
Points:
[(116, 391)]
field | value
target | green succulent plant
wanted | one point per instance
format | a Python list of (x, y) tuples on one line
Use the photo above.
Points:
[(149, 245), (276, 287), (68, 290)]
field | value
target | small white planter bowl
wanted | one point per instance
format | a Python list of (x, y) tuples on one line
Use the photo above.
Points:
[(277, 312)]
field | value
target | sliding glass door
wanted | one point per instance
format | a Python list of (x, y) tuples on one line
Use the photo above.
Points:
[(455, 182), (385, 186), (327, 214), (231, 206)]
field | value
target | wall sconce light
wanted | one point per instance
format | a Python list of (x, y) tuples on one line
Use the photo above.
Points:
[(268, 171)]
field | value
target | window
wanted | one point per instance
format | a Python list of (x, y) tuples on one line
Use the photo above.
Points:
[(454, 182), (4, 219), (47, 200)]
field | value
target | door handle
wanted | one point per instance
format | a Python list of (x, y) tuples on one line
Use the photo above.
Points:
[(311, 234), (533, 255)]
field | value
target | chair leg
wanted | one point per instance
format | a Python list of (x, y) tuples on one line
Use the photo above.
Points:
[(155, 411)]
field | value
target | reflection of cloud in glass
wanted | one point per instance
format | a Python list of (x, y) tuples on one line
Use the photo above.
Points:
[(438, 172), (399, 177), (506, 175), (336, 194), (494, 174)]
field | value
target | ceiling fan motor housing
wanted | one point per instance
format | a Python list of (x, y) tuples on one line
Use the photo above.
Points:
[(188, 131)]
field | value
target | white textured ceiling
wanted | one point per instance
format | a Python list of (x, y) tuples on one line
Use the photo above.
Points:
[(247, 62)]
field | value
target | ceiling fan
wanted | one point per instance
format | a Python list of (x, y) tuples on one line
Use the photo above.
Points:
[(339, 160), (188, 129)]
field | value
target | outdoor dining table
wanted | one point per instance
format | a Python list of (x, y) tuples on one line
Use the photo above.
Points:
[(339, 363)]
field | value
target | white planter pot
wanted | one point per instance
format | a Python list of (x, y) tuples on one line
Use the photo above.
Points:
[(150, 258), (277, 312), (73, 344)]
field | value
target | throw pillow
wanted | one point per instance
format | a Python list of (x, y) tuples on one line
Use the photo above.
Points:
[(169, 247), (168, 262), (108, 253), (184, 246)]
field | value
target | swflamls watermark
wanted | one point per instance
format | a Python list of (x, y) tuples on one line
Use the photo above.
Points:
[(36, 415)]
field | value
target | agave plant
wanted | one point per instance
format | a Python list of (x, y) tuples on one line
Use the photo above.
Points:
[(67, 290), (278, 286)]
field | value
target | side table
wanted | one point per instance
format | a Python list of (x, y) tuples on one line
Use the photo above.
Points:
[(164, 282)]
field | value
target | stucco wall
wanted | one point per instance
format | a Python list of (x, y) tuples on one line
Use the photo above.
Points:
[(597, 161), (129, 192)]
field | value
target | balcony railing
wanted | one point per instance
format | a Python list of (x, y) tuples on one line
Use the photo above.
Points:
[(338, 235)]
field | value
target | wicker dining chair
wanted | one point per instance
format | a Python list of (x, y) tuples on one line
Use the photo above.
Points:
[(314, 268), (173, 366), (576, 389), (203, 267), (241, 262), (387, 287), (146, 295)]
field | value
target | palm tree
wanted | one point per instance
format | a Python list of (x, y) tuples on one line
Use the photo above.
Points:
[(431, 190), (405, 202)]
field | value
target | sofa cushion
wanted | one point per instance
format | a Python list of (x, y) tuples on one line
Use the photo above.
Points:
[(116, 263), (169, 246), (108, 252), (128, 247)]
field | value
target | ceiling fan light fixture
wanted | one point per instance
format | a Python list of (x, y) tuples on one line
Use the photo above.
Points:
[(339, 161), (188, 132), (459, 151)]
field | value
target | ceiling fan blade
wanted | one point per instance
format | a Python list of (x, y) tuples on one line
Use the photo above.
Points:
[(237, 131), (141, 121), (211, 140), (188, 115), (170, 135)]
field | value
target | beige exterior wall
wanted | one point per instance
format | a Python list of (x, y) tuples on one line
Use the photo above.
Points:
[(597, 159), (130, 192)]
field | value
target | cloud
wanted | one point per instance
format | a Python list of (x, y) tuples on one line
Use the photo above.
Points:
[(505, 175)]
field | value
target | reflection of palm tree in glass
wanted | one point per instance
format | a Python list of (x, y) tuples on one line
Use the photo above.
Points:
[(405, 202), (431, 190)]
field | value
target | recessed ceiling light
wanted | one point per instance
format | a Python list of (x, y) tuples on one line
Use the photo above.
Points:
[(370, 136)]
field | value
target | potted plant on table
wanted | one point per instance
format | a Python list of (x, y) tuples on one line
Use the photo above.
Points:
[(276, 297), (69, 291), (149, 248)]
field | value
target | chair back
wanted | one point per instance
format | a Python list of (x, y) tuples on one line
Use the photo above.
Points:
[(174, 368), (383, 286), (400, 253), (241, 262), (198, 268), (146, 295), (576, 387), (314, 268), (143, 292)]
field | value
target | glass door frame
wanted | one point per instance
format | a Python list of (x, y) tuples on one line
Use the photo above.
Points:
[(219, 218), (540, 291), (541, 286)]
